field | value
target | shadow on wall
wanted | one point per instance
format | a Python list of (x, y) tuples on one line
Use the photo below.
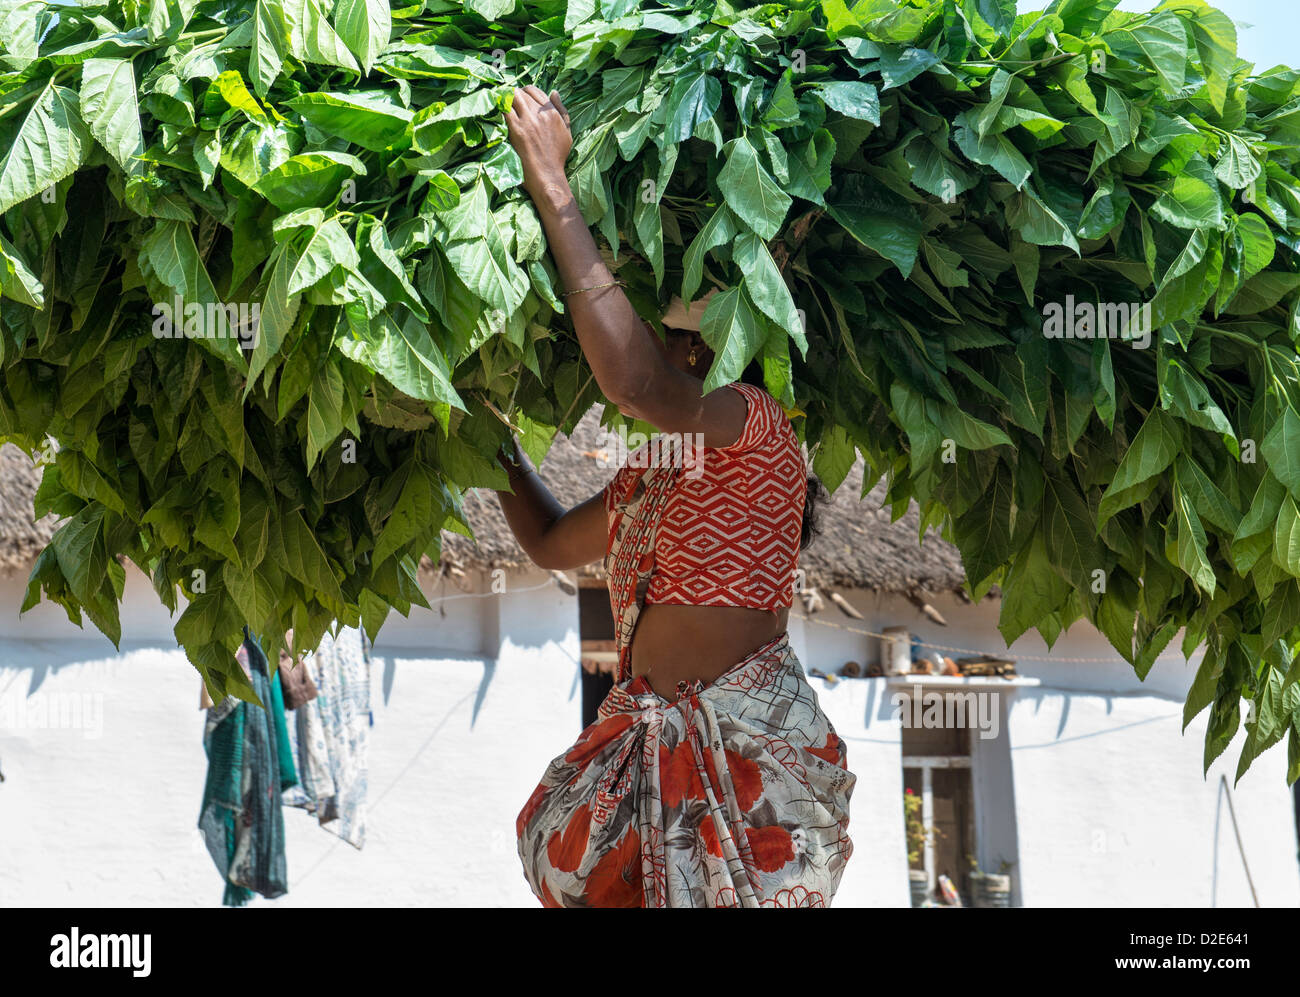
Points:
[(489, 670), (42, 658), (390, 655)]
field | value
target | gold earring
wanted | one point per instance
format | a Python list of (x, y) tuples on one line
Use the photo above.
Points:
[(691, 358)]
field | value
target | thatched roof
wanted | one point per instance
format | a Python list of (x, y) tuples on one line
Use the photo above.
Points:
[(21, 538), (858, 546)]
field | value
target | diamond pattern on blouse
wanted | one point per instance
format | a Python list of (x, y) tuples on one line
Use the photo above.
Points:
[(730, 535)]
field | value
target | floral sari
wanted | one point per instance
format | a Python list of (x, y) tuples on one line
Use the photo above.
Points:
[(733, 795)]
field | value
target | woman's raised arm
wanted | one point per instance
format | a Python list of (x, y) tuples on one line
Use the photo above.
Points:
[(626, 356)]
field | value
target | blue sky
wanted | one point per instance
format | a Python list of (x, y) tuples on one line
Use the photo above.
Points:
[(1271, 37)]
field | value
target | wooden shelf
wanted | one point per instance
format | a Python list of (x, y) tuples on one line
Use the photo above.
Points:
[(963, 681)]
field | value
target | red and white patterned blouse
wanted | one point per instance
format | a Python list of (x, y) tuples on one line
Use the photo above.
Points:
[(730, 530)]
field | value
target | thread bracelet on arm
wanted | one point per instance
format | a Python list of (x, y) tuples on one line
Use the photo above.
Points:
[(594, 287)]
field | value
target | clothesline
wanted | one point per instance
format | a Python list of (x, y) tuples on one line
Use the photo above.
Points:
[(489, 595)]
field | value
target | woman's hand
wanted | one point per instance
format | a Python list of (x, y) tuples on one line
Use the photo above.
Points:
[(539, 131)]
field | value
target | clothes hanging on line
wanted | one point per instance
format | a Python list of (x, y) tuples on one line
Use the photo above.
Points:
[(296, 682), (329, 736), (249, 767), (283, 750)]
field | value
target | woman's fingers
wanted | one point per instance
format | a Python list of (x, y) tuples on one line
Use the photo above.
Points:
[(537, 101), (514, 126), (559, 105), (525, 105)]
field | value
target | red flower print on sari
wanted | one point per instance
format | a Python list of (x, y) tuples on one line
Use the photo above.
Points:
[(531, 808), (595, 737), (746, 779), (832, 751), (772, 847), (679, 776), (616, 879), (709, 835), (566, 848)]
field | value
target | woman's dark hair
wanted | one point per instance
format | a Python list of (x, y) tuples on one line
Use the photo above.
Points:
[(810, 530), (753, 374)]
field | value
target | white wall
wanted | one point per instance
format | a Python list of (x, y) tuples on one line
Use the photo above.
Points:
[(1130, 815), (1091, 778)]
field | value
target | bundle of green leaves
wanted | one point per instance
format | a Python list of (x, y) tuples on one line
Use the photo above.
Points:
[(1039, 270)]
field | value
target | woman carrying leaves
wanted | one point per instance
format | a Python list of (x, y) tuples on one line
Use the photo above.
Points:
[(711, 777)]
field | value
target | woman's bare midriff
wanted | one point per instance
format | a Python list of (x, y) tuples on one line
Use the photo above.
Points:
[(675, 643)]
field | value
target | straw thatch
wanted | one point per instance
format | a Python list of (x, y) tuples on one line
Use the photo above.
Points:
[(858, 546), (21, 537)]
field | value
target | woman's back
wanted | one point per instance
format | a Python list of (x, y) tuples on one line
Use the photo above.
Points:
[(726, 550)]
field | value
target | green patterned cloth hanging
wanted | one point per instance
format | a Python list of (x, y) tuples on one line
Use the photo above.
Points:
[(283, 751), (249, 765)]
